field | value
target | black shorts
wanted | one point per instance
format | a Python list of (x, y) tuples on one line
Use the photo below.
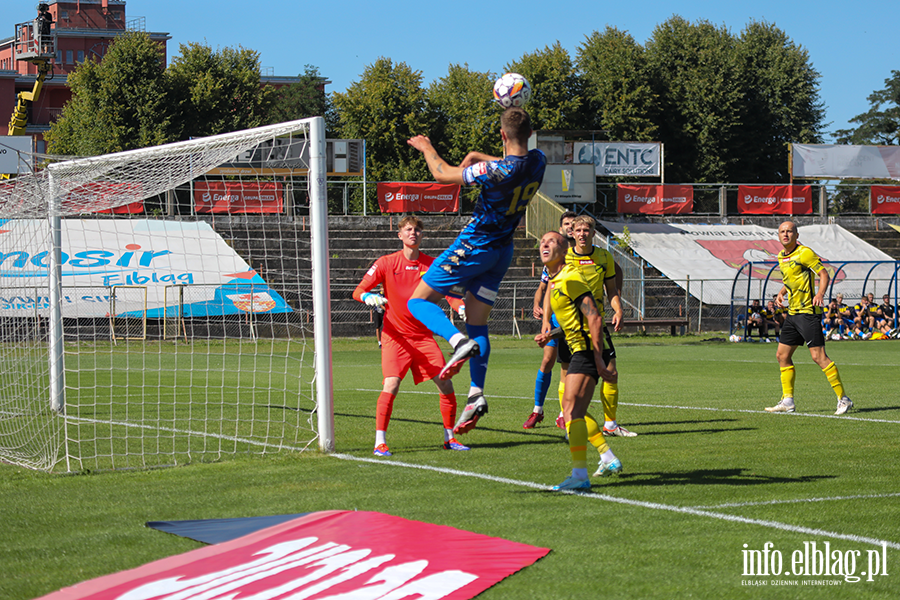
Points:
[(583, 363), (802, 329), (564, 355), (609, 351), (378, 317)]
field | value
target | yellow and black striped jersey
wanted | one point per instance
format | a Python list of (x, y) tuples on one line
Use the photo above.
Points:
[(567, 288), (596, 268), (799, 270)]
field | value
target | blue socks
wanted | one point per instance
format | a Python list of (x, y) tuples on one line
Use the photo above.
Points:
[(478, 364), (541, 387), (433, 317)]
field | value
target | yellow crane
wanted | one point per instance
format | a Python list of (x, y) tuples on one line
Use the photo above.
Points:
[(35, 43)]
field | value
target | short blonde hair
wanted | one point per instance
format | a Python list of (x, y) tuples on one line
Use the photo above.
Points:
[(413, 220), (589, 221)]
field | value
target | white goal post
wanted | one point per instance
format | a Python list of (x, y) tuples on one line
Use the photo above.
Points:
[(236, 376)]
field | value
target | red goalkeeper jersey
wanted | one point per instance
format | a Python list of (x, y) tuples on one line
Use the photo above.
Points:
[(399, 278)]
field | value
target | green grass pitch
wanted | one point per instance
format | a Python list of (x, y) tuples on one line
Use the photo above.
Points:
[(709, 473)]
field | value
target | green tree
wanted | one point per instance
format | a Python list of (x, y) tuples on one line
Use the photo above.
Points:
[(217, 91), (696, 74), (880, 125), (303, 99), (386, 107), (464, 114), (556, 90), (617, 85), (781, 103), (118, 104)]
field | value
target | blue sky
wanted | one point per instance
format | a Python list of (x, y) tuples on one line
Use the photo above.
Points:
[(854, 46)]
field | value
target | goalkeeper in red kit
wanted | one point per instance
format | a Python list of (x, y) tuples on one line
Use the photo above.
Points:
[(407, 345)]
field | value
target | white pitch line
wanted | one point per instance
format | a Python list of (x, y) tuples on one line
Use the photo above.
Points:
[(705, 408), (636, 503), (800, 501)]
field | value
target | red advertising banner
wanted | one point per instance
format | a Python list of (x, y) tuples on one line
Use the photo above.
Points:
[(333, 554), (885, 199), (775, 200), (655, 199), (418, 197), (238, 197), (126, 209), (88, 197)]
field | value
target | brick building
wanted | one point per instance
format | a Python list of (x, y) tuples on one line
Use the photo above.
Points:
[(83, 29)]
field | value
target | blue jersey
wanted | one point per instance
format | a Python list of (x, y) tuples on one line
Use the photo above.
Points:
[(507, 186)]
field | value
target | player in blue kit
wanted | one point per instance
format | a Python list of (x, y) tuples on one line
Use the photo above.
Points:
[(475, 263)]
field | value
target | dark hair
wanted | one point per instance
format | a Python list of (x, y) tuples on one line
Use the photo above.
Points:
[(569, 214), (516, 123)]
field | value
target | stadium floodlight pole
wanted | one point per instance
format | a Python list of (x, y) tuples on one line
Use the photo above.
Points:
[(318, 222), (57, 356)]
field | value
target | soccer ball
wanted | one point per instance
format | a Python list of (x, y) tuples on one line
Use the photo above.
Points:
[(512, 90), (735, 338)]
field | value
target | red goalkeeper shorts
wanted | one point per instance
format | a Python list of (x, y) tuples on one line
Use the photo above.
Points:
[(422, 356)]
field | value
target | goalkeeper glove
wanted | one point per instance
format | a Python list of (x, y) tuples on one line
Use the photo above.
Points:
[(462, 312), (374, 299)]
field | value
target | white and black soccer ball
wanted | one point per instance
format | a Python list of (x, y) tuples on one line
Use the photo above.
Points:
[(735, 338), (512, 89)]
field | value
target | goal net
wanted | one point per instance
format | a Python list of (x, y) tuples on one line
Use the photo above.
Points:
[(156, 310)]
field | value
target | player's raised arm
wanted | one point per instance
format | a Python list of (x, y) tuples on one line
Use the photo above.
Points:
[(475, 158), (441, 170)]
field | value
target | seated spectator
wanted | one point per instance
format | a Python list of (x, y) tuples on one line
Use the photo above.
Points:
[(831, 320), (847, 315), (770, 314), (873, 309), (886, 319), (863, 320), (780, 312), (755, 320)]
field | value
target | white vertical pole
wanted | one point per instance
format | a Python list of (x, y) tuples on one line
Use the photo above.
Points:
[(57, 357), (318, 219)]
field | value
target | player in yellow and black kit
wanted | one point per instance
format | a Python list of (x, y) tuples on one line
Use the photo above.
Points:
[(602, 275), (800, 267), (576, 311)]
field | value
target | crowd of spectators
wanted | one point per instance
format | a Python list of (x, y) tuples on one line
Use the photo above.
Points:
[(862, 321)]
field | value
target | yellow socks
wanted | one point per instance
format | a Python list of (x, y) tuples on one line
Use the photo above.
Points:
[(610, 395), (788, 375), (578, 438), (834, 379)]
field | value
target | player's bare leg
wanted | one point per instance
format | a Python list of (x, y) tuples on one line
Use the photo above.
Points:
[(423, 305)]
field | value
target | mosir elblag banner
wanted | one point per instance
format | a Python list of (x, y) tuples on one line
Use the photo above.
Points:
[(99, 254)]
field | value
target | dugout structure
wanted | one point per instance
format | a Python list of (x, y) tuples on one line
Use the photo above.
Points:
[(132, 342), (851, 278)]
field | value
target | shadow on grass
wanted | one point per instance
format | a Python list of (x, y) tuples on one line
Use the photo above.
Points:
[(855, 410), (685, 421), (735, 476)]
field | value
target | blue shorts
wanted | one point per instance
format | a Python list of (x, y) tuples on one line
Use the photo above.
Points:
[(553, 343), (465, 268)]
